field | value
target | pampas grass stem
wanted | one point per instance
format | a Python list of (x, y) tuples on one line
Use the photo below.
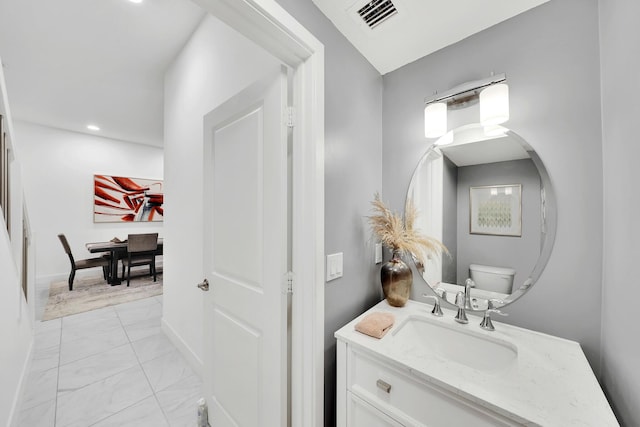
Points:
[(399, 234)]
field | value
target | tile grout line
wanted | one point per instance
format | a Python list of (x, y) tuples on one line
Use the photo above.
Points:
[(64, 325), (104, 379), (153, 391), (116, 413), (88, 355), (55, 405), (74, 361), (130, 343), (155, 395), (21, 409)]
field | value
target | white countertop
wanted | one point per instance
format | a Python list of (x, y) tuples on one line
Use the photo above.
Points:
[(550, 384)]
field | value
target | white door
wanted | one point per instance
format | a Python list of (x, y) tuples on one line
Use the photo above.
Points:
[(245, 249)]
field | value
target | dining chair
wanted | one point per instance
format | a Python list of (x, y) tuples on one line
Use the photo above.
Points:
[(141, 250), (102, 261)]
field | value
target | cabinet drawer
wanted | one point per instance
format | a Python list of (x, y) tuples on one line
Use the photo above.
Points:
[(410, 401), (361, 414)]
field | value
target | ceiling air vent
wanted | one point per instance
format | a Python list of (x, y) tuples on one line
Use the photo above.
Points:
[(376, 12)]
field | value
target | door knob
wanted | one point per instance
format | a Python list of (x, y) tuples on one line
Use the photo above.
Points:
[(204, 285)]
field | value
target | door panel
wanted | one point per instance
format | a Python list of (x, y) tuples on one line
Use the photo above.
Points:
[(237, 373), (246, 257), (237, 191)]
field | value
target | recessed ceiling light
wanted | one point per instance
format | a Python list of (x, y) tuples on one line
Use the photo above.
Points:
[(136, 1), (93, 127)]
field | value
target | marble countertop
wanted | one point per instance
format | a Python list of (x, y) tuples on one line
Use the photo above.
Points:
[(550, 384)]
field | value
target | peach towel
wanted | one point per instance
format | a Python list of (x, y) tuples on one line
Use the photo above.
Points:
[(375, 324)]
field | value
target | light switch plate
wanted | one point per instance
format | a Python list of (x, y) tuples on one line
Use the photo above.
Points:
[(378, 255), (334, 266)]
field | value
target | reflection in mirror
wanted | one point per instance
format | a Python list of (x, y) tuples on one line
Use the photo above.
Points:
[(487, 197)]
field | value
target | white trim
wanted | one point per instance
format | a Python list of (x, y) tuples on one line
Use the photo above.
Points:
[(270, 26), (341, 383), (14, 415), (193, 360)]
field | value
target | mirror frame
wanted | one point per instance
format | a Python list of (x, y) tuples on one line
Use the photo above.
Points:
[(549, 214)]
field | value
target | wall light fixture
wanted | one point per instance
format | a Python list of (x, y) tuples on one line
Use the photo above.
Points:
[(492, 93), (494, 104), (435, 120)]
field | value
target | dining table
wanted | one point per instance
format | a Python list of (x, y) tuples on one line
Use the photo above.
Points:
[(117, 250)]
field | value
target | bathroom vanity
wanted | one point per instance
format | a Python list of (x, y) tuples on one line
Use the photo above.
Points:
[(432, 371)]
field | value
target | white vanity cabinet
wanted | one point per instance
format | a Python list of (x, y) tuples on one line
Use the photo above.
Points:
[(363, 414), (544, 381), (373, 392)]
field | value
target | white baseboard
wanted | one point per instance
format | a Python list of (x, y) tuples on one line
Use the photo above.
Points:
[(193, 360), (14, 415), (44, 281)]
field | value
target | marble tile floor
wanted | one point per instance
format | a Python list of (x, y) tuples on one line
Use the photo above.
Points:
[(108, 367)]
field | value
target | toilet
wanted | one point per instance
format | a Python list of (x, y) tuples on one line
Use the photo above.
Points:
[(495, 279)]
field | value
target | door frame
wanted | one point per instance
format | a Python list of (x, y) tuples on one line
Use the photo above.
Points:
[(270, 26)]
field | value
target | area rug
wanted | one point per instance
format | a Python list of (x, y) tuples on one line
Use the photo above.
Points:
[(94, 292)]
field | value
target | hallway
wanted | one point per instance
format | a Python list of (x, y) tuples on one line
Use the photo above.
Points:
[(108, 367)]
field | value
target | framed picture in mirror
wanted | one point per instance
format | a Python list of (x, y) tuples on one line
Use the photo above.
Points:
[(496, 210)]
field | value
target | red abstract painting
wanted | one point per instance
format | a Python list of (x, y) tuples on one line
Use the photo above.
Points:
[(121, 199)]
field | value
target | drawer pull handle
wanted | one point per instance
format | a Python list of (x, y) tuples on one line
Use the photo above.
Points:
[(384, 386)]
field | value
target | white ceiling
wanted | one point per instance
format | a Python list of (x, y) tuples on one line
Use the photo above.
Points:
[(419, 28), (68, 63)]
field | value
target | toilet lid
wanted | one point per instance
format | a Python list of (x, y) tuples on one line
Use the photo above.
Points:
[(494, 270)]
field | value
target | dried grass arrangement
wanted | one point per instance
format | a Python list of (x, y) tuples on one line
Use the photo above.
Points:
[(399, 234)]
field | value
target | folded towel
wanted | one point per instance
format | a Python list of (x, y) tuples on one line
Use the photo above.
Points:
[(375, 324)]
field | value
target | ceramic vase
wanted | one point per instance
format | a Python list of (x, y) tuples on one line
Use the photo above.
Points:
[(396, 278)]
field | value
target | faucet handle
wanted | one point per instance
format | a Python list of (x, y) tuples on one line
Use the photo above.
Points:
[(491, 304), (461, 317), (437, 311), (459, 301), (470, 282), (441, 292), (486, 320)]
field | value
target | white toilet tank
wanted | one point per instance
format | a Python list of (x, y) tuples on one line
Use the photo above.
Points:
[(495, 279)]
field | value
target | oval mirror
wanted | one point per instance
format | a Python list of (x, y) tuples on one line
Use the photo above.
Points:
[(487, 197)]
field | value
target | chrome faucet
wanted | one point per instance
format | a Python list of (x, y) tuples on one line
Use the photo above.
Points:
[(491, 308), (442, 293), (463, 301), (437, 311), (461, 317), (468, 284)]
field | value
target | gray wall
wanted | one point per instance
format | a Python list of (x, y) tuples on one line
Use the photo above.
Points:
[(620, 34), (353, 163), (551, 57), (519, 253)]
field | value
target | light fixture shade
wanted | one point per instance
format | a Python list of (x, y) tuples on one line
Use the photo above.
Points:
[(494, 104), (435, 120)]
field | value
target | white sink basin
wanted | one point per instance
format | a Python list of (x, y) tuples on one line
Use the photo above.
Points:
[(455, 343)]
